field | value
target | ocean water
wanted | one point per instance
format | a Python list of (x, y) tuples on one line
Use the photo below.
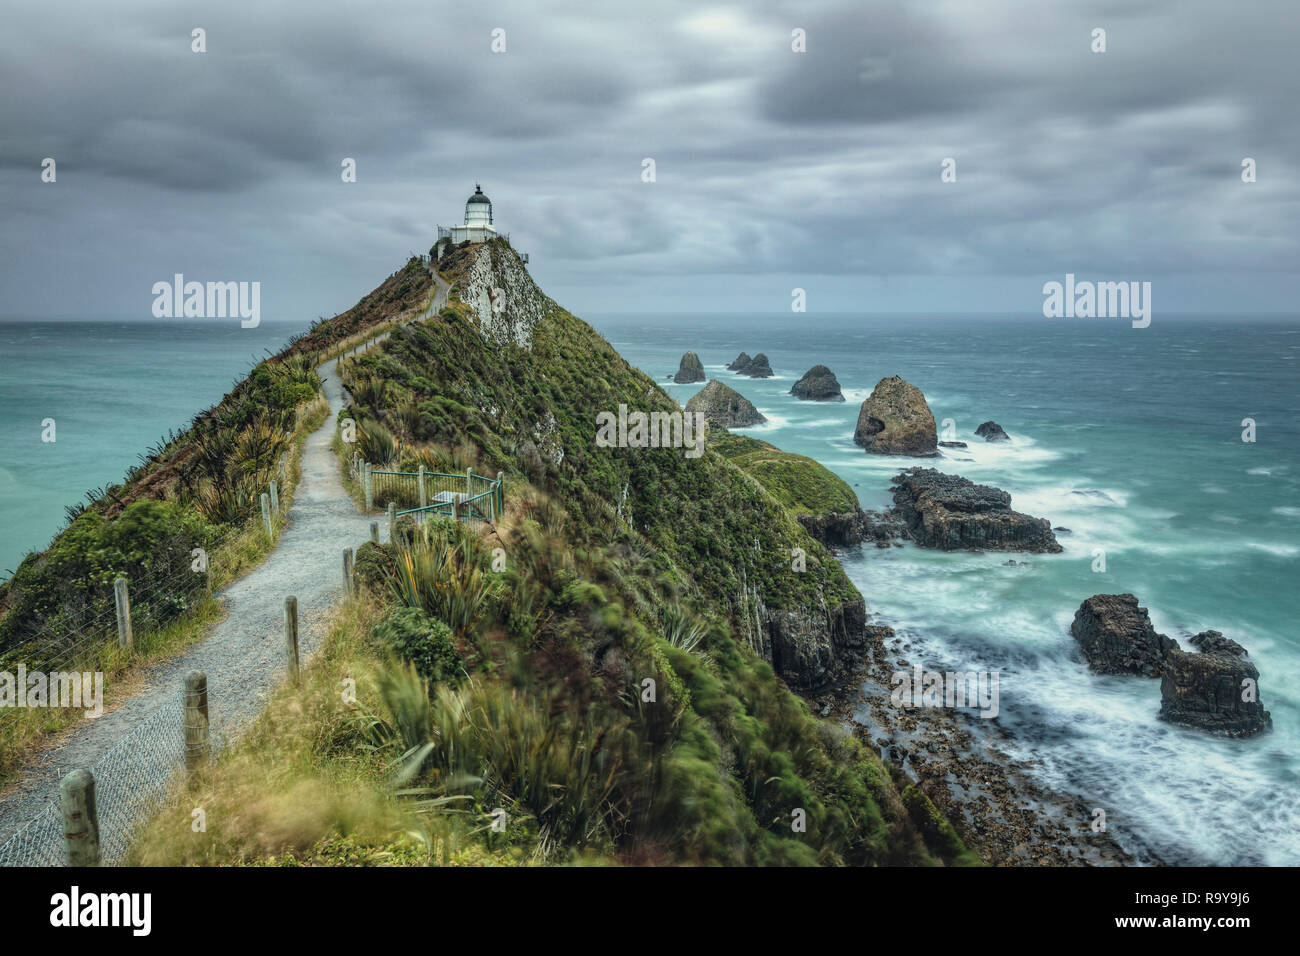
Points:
[(113, 390), (1131, 438)]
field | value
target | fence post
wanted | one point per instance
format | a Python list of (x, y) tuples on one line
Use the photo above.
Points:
[(291, 635), (469, 482), (347, 571), (275, 500), (455, 507), (501, 492), (196, 719), (370, 490), (125, 639), (392, 519), (424, 498), (266, 514), (80, 818), (374, 531)]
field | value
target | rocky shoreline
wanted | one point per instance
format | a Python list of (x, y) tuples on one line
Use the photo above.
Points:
[(956, 760)]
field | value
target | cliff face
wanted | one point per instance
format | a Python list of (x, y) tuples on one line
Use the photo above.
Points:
[(525, 384)]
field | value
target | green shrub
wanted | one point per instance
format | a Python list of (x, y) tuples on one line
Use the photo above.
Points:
[(424, 641)]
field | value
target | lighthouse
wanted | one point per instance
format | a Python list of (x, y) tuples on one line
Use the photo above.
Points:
[(478, 225)]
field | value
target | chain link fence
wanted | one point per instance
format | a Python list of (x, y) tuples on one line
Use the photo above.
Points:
[(132, 781)]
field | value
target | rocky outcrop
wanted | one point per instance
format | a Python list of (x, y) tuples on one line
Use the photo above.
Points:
[(690, 370), (757, 367), (1216, 690), (812, 651), (1116, 636), (895, 420), (850, 529), (951, 513), (506, 302), (992, 431), (742, 360), (818, 385), (724, 406), (952, 444)]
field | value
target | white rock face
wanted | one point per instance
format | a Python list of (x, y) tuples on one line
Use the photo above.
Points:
[(498, 275)]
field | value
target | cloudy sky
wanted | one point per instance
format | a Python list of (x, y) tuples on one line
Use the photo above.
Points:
[(774, 169)]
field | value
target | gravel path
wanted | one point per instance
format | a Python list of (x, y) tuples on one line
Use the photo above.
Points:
[(244, 657)]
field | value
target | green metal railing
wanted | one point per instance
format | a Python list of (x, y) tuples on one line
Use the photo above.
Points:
[(468, 497)]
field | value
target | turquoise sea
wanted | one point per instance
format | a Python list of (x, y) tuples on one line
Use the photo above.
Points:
[(1129, 437)]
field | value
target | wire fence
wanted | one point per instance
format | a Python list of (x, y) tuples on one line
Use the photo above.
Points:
[(133, 780)]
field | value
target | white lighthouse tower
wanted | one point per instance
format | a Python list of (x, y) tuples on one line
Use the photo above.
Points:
[(478, 220)]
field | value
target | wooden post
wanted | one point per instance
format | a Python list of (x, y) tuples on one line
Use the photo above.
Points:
[(370, 490), (347, 571), (196, 719), (424, 497), (469, 483), (455, 507), (392, 520), (80, 818), (501, 492), (266, 514), (125, 640), (275, 500), (374, 531), (291, 635)]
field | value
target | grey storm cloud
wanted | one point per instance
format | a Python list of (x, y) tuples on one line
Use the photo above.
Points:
[(770, 163)]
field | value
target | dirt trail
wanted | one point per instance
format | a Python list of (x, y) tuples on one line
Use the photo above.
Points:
[(244, 656)]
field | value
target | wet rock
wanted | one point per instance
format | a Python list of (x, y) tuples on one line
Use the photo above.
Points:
[(758, 367), (847, 530), (953, 444), (818, 385), (1216, 690), (742, 360), (992, 431), (1116, 636), (723, 405), (895, 420), (1062, 531), (690, 370), (952, 513)]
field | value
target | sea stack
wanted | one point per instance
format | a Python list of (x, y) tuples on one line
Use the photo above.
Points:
[(742, 361), (818, 385), (690, 370), (723, 405), (1216, 690), (895, 420), (757, 367), (952, 513), (1116, 636), (992, 431)]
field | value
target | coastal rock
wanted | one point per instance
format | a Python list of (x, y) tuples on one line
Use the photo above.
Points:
[(850, 529), (814, 650), (895, 420), (1116, 636), (952, 513), (690, 370), (953, 444), (723, 405), (818, 385), (758, 367), (1206, 690), (992, 431), (742, 360)]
